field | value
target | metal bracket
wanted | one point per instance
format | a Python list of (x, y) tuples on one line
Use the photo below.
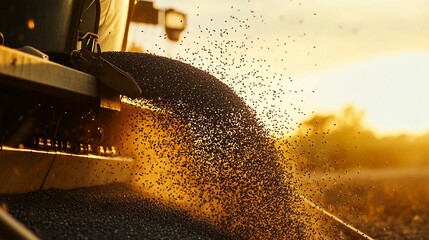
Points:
[(88, 59), (89, 41)]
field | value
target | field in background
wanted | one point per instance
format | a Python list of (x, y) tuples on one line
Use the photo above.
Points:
[(377, 183), (386, 204)]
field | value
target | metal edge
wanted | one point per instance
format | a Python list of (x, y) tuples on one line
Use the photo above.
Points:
[(354, 232), (27, 170), (29, 68)]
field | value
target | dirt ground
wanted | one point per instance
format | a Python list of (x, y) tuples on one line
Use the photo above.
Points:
[(385, 204)]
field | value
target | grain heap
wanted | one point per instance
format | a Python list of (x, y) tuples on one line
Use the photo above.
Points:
[(114, 211), (231, 168)]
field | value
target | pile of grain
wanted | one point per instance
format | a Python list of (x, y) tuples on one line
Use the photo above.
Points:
[(231, 163)]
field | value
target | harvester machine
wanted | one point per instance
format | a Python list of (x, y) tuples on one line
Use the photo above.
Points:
[(56, 89)]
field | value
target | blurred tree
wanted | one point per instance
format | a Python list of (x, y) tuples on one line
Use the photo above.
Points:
[(342, 141)]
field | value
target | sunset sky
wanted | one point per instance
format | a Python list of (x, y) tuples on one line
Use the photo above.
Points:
[(311, 56)]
